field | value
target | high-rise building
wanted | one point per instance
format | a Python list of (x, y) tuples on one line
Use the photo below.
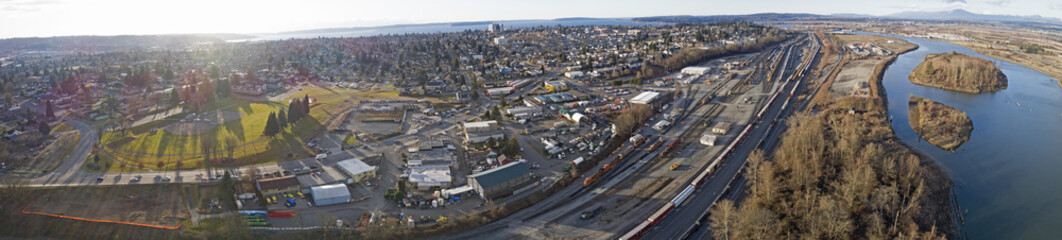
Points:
[(495, 27)]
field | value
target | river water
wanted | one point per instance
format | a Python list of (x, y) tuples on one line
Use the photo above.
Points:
[(1009, 175)]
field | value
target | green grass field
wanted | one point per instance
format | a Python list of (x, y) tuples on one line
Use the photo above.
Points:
[(146, 145), (62, 127)]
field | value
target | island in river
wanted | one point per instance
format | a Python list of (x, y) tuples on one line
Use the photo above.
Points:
[(941, 125), (958, 72)]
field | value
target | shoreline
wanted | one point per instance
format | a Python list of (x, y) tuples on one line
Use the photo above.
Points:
[(1030, 65), (949, 218)]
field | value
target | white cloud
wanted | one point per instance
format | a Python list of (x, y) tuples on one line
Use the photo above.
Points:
[(998, 3), (24, 5)]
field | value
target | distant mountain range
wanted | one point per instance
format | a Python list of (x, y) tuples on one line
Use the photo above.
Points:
[(111, 43), (957, 14)]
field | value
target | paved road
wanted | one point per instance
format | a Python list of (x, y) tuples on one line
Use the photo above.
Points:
[(70, 170)]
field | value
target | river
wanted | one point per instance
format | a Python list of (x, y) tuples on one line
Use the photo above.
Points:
[(1006, 175)]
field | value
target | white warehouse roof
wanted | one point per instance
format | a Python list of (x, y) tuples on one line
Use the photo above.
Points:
[(330, 191), (645, 97), (695, 70), (354, 166), (480, 124)]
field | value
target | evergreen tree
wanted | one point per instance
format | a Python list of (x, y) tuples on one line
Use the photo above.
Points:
[(306, 104), (49, 111), (175, 96), (43, 127), (282, 119), (223, 89), (496, 114), (293, 111), (511, 147), (271, 125)]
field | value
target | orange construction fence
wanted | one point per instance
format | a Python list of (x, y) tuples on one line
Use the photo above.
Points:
[(100, 221)]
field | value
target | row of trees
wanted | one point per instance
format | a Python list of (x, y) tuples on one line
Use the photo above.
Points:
[(837, 176), (691, 56), (297, 109)]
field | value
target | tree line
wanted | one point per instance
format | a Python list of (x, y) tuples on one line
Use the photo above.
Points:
[(838, 175), (297, 109)]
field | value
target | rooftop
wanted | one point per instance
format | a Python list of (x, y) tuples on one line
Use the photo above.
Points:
[(645, 97), (498, 175), (354, 166), (330, 191), (480, 124), (432, 175)]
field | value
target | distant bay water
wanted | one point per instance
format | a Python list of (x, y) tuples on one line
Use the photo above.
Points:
[(440, 28)]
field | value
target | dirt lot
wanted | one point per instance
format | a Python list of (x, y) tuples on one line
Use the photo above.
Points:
[(897, 45), (853, 78), (53, 154), (203, 123), (155, 204)]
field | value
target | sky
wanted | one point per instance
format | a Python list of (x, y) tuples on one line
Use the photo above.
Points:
[(43, 18)]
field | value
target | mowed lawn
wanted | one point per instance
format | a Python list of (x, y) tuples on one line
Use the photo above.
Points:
[(145, 146)]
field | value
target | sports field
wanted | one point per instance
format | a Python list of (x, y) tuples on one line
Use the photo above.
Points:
[(151, 146)]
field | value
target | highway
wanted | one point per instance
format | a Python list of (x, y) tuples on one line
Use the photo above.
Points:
[(686, 220)]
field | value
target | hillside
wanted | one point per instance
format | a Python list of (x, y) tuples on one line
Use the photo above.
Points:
[(958, 72), (939, 124)]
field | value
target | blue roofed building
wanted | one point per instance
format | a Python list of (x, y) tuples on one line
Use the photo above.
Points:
[(501, 181)]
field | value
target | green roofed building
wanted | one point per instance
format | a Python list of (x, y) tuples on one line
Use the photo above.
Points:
[(501, 181)]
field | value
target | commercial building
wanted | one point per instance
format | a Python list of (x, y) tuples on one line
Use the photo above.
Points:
[(499, 92), (574, 74), (501, 40), (501, 181), (554, 98), (495, 27), (272, 186), (330, 194), (481, 126), (477, 132), (431, 157), (426, 177), (554, 86), (708, 139), (721, 128), (524, 112), (697, 71), (647, 97), (356, 169)]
